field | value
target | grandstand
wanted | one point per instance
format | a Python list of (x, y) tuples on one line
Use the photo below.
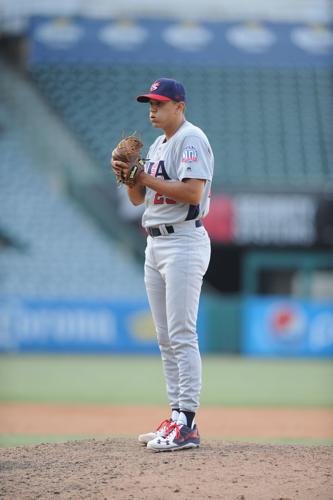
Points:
[(270, 128), (62, 253)]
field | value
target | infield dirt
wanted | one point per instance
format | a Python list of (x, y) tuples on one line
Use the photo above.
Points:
[(122, 469), (101, 420)]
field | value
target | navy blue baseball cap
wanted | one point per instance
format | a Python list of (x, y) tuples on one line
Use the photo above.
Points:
[(164, 89)]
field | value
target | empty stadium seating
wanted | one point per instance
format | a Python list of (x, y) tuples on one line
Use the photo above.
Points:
[(269, 128), (63, 254)]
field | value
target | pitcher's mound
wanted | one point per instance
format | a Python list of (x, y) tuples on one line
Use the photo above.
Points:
[(123, 469)]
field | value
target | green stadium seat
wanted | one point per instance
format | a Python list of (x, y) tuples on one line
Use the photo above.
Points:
[(272, 127)]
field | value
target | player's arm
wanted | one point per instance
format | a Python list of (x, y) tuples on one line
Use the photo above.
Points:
[(136, 194), (185, 191)]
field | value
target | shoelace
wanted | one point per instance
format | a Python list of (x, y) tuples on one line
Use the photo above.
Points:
[(174, 427), (166, 423)]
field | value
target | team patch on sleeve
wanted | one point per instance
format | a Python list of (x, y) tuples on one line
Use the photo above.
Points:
[(189, 154)]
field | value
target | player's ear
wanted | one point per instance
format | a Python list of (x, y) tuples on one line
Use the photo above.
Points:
[(181, 106)]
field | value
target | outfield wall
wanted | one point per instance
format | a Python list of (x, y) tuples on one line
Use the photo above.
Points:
[(251, 326)]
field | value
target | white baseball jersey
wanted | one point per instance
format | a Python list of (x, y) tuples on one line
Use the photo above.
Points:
[(187, 154)]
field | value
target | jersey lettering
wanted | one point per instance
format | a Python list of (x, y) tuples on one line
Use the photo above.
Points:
[(186, 156), (157, 169), (160, 199), (161, 172), (149, 166), (169, 201)]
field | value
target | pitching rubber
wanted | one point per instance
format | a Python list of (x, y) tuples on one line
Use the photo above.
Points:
[(145, 438)]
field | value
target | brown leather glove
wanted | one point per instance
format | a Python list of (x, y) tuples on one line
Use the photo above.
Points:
[(128, 151)]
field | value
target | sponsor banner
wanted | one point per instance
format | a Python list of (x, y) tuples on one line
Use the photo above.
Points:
[(286, 327), (88, 40), (262, 219), (76, 326), (274, 220)]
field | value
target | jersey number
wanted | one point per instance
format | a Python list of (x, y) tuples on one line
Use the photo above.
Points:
[(160, 199)]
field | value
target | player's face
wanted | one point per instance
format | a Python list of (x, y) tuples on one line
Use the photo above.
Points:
[(163, 114)]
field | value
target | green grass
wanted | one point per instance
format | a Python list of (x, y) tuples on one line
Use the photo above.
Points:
[(139, 380), (12, 440), (261, 440)]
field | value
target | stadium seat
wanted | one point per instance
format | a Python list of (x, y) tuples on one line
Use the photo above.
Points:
[(65, 254), (273, 126)]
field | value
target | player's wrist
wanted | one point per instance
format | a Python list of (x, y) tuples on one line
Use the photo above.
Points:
[(142, 178)]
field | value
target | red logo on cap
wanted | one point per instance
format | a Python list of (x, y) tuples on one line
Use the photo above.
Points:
[(154, 86)]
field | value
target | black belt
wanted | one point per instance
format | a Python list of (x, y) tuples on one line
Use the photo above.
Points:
[(154, 231)]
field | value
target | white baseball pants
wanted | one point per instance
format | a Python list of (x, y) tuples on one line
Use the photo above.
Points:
[(174, 268)]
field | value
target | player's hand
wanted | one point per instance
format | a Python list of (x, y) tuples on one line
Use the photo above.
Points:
[(126, 161), (122, 171), (119, 167)]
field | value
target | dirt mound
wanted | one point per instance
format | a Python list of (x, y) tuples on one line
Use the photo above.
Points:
[(122, 469)]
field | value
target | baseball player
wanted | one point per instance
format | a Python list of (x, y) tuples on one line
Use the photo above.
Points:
[(175, 189)]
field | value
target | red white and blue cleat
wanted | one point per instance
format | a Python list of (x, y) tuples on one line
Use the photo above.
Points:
[(162, 430), (179, 437)]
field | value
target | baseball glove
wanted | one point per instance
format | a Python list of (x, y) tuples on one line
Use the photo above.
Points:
[(128, 150)]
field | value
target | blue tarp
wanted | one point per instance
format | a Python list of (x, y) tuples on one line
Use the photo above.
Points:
[(156, 41)]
